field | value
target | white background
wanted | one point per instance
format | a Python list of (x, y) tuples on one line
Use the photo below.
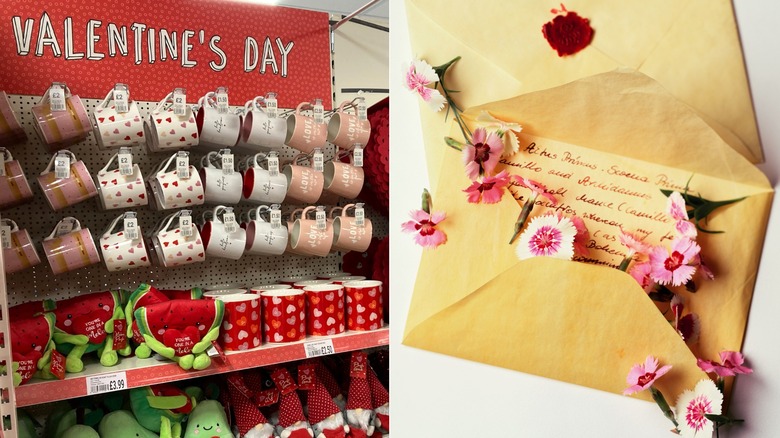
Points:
[(440, 396)]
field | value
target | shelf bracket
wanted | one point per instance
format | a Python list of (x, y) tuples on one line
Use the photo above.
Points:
[(349, 17)]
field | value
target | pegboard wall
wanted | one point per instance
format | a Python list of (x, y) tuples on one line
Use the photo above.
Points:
[(37, 217)]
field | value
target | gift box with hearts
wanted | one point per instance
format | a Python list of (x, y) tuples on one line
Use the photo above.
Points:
[(284, 315)]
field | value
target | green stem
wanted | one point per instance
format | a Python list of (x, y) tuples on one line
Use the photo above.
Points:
[(624, 264), (661, 402), (441, 71), (455, 144), (427, 201), (524, 213)]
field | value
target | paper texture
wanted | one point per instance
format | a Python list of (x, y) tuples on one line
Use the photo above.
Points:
[(691, 47), (606, 144)]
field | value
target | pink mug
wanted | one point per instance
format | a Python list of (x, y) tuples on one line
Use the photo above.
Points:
[(343, 179), (63, 192), (304, 184), (216, 130), (14, 187), (22, 254), (307, 238), (260, 132), (69, 247), (348, 235), (166, 130), (11, 131), (60, 129), (325, 309), (303, 132), (345, 129)]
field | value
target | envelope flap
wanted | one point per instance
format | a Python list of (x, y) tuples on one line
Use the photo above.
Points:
[(627, 113), (574, 322)]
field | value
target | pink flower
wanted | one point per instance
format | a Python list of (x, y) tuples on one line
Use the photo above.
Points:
[(535, 187), (633, 243), (693, 406), (642, 376), (547, 236), (730, 364), (424, 227), (418, 77), (489, 190), (674, 268), (689, 328), (675, 207), (641, 273), (482, 154)]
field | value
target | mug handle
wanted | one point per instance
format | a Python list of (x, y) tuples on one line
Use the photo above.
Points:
[(334, 210), (301, 105), (307, 210), (258, 211), (76, 227), (12, 223), (219, 209), (205, 161), (347, 207), (6, 154), (110, 162), (208, 99), (257, 162), (113, 225), (168, 99), (255, 104), (292, 215), (166, 223), (50, 167), (107, 99), (45, 97), (162, 168)]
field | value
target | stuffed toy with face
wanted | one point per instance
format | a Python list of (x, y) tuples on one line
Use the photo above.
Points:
[(208, 420), (122, 424), (31, 341), (152, 405)]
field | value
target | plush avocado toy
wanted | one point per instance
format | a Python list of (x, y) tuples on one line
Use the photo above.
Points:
[(80, 431), (122, 424), (152, 404), (208, 420)]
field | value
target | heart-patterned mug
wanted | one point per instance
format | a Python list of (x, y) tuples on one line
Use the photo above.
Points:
[(284, 315), (120, 191), (120, 252), (113, 129), (171, 191), (165, 130), (171, 245), (14, 187)]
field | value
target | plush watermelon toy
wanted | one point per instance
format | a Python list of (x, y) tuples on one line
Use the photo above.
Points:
[(85, 324), (31, 340), (181, 330), (152, 405), (145, 295)]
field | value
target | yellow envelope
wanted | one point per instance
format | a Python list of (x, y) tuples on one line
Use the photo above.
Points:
[(607, 144), (691, 47)]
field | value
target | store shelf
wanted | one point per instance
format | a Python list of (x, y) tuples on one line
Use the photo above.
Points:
[(144, 372)]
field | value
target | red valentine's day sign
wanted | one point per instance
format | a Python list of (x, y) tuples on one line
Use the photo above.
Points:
[(157, 46)]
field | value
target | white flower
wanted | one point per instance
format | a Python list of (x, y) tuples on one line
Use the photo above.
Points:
[(548, 236), (418, 77), (507, 130), (692, 406)]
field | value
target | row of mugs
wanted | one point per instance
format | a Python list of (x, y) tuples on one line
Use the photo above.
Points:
[(255, 130), (254, 317), (294, 182), (69, 247)]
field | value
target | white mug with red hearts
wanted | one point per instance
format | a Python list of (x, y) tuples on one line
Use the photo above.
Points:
[(120, 251), (221, 186), (114, 129), (120, 191), (167, 131), (173, 247), (171, 191)]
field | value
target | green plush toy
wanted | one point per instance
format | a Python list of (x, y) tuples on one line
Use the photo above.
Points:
[(25, 425), (62, 420), (80, 431), (152, 404), (122, 424), (208, 420), (31, 344), (85, 324)]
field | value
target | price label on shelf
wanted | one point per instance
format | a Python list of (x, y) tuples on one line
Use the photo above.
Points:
[(222, 100), (183, 165), (229, 218), (319, 112), (57, 97), (227, 161), (121, 98), (125, 158), (321, 218), (319, 160), (131, 226), (319, 348), (360, 215), (276, 216), (62, 166), (109, 382), (273, 164), (5, 236), (357, 156), (179, 102), (271, 105), (362, 109), (185, 223)]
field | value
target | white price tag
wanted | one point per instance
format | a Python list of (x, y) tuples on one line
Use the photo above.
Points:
[(5, 236), (222, 100), (125, 158), (57, 97), (319, 112), (2, 169), (229, 218), (121, 98), (357, 156), (185, 223), (276, 217), (183, 165), (64, 227), (106, 383), (227, 162), (131, 227), (360, 216), (319, 160), (319, 348), (179, 102), (271, 106), (273, 164), (362, 110), (62, 166), (321, 218)]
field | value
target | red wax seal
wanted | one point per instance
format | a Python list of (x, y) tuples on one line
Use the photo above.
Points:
[(567, 33)]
